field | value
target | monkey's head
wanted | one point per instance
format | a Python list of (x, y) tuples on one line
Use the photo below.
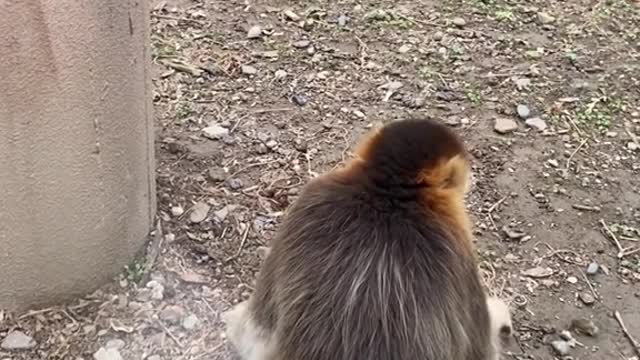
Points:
[(419, 151)]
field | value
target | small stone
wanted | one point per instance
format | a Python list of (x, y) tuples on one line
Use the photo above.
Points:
[(215, 132), (536, 123), (593, 268), (199, 212), (107, 354), (177, 210), (342, 20), (572, 280), (523, 111), (17, 340), (611, 134), (392, 85), (553, 162), (299, 100), (438, 36), (561, 347), (301, 44), (404, 49), (289, 14), (172, 314), (157, 290), (254, 32), (190, 322), (459, 22), (585, 326), (632, 146), (545, 19), (262, 252), (222, 214), (566, 335), (522, 83), (280, 74), (586, 298), (538, 272), (235, 183), (249, 70), (505, 125), (115, 344), (216, 174)]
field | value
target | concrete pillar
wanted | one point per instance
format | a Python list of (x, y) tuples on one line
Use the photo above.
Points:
[(77, 193)]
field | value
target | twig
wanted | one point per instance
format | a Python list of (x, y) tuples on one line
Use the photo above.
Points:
[(585, 207), (492, 208), (633, 341), (574, 153), (593, 291), (242, 242), (631, 251), (170, 334), (613, 236)]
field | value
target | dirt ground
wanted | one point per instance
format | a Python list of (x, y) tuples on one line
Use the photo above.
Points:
[(254, 98)]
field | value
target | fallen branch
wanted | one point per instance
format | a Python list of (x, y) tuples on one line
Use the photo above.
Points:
[(634, 343)]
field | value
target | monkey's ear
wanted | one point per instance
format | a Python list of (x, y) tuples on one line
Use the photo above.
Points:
[(451, 174)]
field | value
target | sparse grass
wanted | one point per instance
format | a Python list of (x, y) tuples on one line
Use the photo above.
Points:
[(162, 49), (504, 14), (473, 95), (183, 110), (134, 272), (599, 113)]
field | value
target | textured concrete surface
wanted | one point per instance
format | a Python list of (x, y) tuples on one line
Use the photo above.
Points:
[(77, 193)]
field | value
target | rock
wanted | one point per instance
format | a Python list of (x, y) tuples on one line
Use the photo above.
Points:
[(249, 70), (523, 111), (560, 347), (301, 44), (262, 251), (538, 272), (190, 322), (536, 123), (177, 210), (280, 74), (586, 298), (199, 212), (299, 100), (172, 314), (545, 19), (553, 162), (17, 340), (107, 354), (566, 335), (289, 14), (342, 20), (404, 49), (215, 132), (115, 344), (513, 234), (216, 174), (522, 83), (505, 125), (572, 280), (585, 326), (593, 268), (438, 36), (459, 22), (222, 214), (392, 85), (235, 183), (632, 146), (254, 32)]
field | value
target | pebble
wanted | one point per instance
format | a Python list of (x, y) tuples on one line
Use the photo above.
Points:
[(280, 74), (299, 100), (632, 146), (459, 22), (522, 83), (215, 132), (235, 183), (249, 70), (157, 290), (545, 19), (585, 326), (536, 123), (177, 210), (254, 32), (523, 111), (107, 354), (538, 272), (342, 20), (572, 280), (404, 49), (190, 322), (561, 347), (505, 125), (593, 268), (291, 15), (586, 298), (17, 340), (301, 44), (199, 212), (172, 314)]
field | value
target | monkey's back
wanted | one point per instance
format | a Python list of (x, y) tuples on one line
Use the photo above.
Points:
[(354, 275)]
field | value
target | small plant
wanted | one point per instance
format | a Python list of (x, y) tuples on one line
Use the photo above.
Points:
[(163, 49), (474, 96), (134, 272), (599, 113), (505, 15), (425, 72), (183, 110)]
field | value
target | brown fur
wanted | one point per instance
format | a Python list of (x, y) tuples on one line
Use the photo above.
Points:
[(374, 261)]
